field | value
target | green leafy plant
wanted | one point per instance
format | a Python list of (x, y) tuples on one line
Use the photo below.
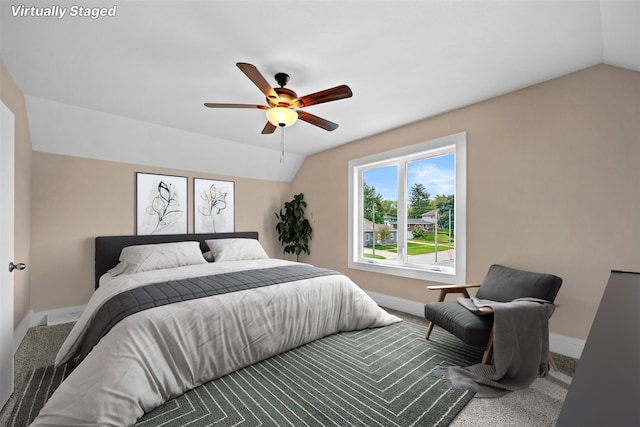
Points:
[(294, 230)]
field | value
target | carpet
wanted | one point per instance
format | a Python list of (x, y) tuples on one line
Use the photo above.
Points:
[(537, 406), (364, 378)]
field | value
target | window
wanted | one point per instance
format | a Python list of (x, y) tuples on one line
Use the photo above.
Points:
[(407, 211)]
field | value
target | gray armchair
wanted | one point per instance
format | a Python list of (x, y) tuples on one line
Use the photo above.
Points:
[(501, 284)]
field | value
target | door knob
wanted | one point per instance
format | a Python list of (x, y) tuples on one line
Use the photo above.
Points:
[(18, 266)]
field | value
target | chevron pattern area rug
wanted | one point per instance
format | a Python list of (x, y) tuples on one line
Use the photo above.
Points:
[(375, 377)]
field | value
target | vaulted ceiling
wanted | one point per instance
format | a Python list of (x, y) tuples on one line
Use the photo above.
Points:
[(131, 87)]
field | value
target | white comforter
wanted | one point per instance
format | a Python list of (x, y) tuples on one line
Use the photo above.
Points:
[(157, 354)]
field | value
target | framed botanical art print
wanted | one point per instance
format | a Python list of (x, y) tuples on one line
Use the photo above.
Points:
[(161, 204), (214, 206)]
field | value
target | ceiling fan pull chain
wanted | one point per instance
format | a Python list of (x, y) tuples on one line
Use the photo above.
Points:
[(282, 144)]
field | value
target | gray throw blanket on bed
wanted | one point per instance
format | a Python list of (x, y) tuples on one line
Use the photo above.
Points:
[(520, 348)]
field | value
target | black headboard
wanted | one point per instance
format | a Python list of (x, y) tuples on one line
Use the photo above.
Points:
[(108, 248)]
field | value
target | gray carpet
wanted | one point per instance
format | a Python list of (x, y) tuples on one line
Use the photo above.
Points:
[(537, 406), (375, 377)]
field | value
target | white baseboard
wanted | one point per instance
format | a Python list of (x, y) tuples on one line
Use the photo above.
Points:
[(20, 332), (56, 316), (567, 346), (395, 303), (41, 318)]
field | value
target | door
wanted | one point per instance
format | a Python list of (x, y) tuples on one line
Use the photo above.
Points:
[(7, 147)]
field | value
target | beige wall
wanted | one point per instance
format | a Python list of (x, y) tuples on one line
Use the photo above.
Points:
[(13, 98), (76, 199), (552, 177), (552, 186)]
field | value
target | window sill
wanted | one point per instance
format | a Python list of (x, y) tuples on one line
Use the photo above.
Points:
[(426, 274)]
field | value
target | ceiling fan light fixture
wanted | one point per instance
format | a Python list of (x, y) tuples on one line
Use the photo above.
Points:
[(282, 116), (282, 102)]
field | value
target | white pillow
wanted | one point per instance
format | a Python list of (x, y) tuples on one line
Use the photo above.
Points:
[(236, 249), (139, 258)]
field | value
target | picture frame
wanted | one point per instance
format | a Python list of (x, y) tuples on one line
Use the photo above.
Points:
[(161, 204), (213, 206)]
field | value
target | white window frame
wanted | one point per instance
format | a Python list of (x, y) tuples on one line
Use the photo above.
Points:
[(444, 145)]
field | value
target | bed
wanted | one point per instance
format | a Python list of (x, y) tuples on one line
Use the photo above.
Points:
[(172, 312)]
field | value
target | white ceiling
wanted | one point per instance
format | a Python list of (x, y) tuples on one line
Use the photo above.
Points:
[(133, 86)]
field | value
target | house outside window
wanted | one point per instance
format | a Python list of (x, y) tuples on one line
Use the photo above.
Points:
[(407, 211)]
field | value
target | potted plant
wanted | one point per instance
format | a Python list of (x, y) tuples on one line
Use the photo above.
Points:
[(294, 230)]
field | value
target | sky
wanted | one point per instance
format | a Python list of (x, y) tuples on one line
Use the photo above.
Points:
[(437, 174)]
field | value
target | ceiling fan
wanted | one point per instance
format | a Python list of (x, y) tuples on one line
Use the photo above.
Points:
[(284, 105)]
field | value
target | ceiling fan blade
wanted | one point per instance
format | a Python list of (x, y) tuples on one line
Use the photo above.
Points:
[(317, 121), (254, 75), (218, 105), (269, 128), (333, 94)]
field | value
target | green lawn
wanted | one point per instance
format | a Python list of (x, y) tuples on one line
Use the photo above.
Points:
[(422, 245), (443, 237), (415, 247)]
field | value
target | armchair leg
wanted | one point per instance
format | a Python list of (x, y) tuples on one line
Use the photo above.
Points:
[(552, 363), (488, 351), (429, 329)]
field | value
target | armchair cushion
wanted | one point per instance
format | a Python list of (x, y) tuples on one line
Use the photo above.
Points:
[(464, 324), (504, 284)]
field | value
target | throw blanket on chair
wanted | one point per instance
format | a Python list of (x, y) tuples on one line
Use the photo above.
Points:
[(520, 348)]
